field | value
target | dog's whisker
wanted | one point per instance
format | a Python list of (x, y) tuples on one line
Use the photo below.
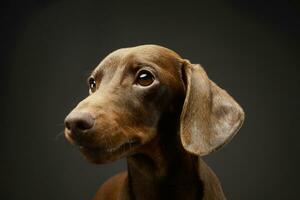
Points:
[(105, 142), (129, 145), (129, 142), (110, 141), (58, 135), (60, 124)]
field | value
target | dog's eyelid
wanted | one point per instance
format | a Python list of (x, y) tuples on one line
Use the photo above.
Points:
[(89, 79), (140, 64), (146, 67)]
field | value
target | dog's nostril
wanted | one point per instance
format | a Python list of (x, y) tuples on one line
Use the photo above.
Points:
[(79, 121), (67, 124), (84, 124)]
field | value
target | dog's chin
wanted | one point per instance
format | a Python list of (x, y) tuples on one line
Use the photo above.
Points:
[(99, 157), (107, 155)]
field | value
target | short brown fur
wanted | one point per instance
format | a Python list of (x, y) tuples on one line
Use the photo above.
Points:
[(162, 129)]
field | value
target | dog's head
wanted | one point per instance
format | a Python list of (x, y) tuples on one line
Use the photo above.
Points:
[(133, 89)]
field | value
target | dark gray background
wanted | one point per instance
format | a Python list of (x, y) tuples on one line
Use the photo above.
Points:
[(48, 48)]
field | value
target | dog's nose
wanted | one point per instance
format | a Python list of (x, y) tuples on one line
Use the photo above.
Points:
[(79, 121)]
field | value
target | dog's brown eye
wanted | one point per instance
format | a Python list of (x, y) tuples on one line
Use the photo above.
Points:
[(145, 78), (92, 84)]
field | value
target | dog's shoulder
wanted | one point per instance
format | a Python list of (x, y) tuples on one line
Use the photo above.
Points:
[(112, 188)]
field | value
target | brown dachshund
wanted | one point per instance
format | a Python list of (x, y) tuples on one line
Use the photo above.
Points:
[(161, 112)]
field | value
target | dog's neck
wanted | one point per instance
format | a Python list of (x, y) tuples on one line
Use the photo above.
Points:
[(161, 169)]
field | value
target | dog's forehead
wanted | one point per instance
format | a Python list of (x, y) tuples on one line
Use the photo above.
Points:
[(151, 54)]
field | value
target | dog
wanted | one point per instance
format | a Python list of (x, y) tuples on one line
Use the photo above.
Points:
[(162, 113)]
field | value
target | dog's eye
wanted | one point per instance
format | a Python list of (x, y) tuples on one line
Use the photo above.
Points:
[(92, 84), (144, 78)]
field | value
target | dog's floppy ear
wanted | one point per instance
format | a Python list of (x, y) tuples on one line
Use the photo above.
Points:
[(210, 116)]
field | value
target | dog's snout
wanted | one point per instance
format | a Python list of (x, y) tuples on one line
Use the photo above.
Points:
[(79, 121)]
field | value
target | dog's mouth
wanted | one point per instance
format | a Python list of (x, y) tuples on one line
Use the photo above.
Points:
[(122, 148), (104, 152)]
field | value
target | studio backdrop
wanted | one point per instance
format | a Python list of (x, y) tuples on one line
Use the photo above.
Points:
[(49, 48)]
